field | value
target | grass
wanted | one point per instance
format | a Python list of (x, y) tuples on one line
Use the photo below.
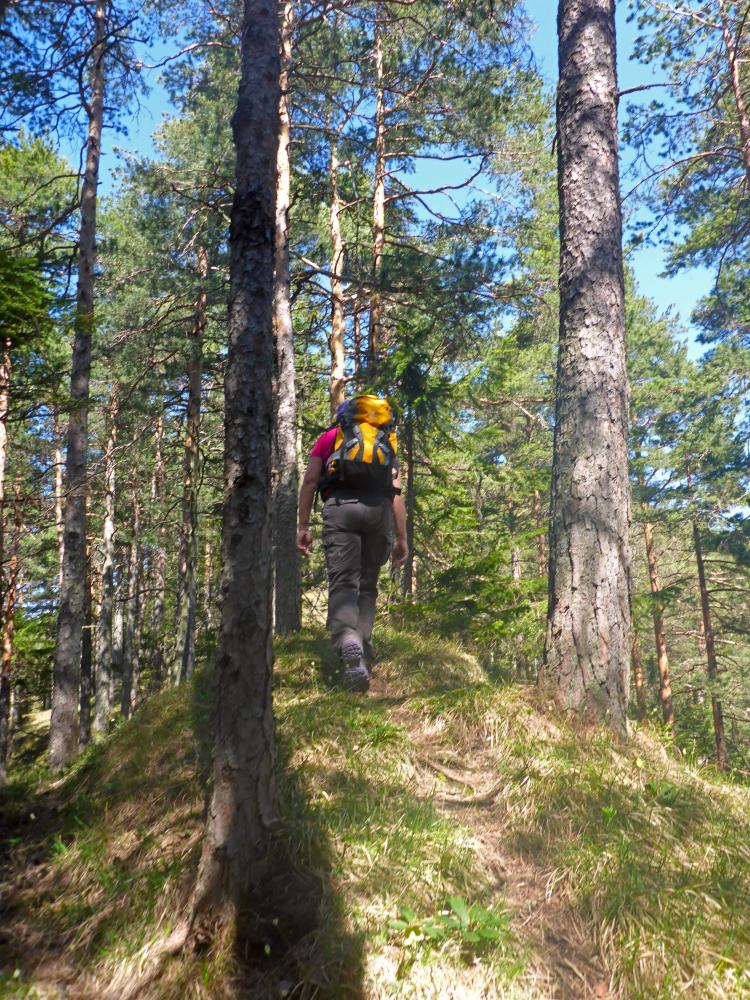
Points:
[(653, 854), (648, 856)]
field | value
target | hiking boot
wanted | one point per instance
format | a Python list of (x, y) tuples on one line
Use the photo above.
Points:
[(355, 676)]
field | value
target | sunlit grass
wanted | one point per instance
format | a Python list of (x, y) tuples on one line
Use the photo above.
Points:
[(654, 854), (650, 855)]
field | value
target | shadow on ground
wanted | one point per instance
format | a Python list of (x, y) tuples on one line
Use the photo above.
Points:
[(96, 865)]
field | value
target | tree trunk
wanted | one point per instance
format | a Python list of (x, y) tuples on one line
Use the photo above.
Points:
[(118, 625), (639, 680), (657, 613), (409, 506), (708, 629), (243, 812), (67, 662), (5, 369), (515, 554), (357, 342), (160, 558), (183, 659), (130, 632), (87, 674), (709, 644), (338, 350), (59, 491), (587, 650), (541, 548), (208, 587), (288, 598), (375, 340), (9, 613), (104, 653), (733, 59)]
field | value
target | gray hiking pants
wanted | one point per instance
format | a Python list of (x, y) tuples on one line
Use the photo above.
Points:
[(357, 540)]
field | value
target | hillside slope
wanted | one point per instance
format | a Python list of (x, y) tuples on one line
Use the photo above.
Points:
[(470, 844)]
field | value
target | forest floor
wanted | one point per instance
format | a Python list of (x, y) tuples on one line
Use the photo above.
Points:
[(469, 842)]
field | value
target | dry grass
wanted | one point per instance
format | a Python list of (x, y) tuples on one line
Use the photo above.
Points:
[(623, 873)]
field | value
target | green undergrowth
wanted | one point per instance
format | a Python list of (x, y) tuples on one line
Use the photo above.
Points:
[(650, 855)]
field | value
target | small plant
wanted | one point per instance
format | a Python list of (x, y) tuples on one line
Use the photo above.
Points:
[(473, 928)]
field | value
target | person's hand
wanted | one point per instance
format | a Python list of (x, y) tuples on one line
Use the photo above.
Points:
[(304, 541), (399, 552)]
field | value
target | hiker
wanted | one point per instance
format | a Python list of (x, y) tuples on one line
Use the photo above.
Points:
[(354, 467)]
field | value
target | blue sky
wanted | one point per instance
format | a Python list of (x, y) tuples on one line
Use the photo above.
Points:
[(678, 293)]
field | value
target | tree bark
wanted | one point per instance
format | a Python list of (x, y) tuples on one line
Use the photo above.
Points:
[(160, 558), (67, 662), (709, 644), (541, 548), (7, 581), (708, 629), (183, 658), (721, 743), (130, 632), (515, 553), (408, 580), (5, 370), (104, 652), (287, 588), (375, 338), (59, 491), (208, 586), (657, 614), (243, 811), (587, 650), (733, 59), (87, 666), (338, 350), (639, 679), (9, 598)]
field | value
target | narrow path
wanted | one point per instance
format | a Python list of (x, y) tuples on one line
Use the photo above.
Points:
[(563, 952)]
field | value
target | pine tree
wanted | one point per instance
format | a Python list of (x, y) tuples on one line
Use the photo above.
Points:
[(587, 650)]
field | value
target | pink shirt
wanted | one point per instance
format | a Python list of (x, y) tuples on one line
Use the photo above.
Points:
[(323, 447)]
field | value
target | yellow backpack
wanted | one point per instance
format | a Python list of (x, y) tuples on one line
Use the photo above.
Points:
[(364, 452)]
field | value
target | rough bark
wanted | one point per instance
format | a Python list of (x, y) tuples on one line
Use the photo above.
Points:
[(242, 811), (87, 666), (103, 693), (408, 584), (287, 587), (731, 47), (657, 614), (183, 658), (118, 623), (708, 628), (9, 612), (160, 558), (5, 370), (515, 552), (587, 650), (338, 350), (59, 491), (375, 332), (208, 586), (639, 680), (67, 661), (709, 644), (721, 743), (130, 633), (541, 546)]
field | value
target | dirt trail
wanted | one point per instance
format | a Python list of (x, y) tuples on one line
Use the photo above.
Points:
[(564, 955)]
